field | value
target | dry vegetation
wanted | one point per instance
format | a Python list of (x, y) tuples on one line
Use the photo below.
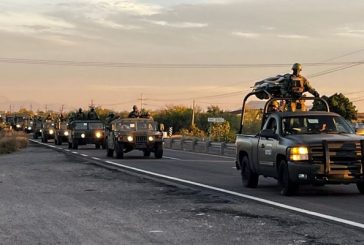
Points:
[(11, 141)]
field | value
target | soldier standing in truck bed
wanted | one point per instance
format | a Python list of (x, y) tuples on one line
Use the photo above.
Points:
[(294, 86)]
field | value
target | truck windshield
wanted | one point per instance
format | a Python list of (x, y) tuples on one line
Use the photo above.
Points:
[(137, 125), (96, 126), (315, 125)]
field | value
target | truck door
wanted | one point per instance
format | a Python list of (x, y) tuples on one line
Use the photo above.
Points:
[(267, 149)]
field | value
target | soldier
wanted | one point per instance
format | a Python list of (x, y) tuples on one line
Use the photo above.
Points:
[(274, 106), (92, 115), (294, 86), (134, 113), (80, 115)]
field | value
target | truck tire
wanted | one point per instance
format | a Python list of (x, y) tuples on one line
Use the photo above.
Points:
[(109, 152), (289, 188), (97, 146), (35, 136), (69, 145), (59, 141), (249, 178), (119, 150), (360, 187), (158, 152), (146, 153), (74, 144)]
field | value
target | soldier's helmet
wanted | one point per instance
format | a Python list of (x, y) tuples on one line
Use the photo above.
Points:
[(80, 110), (135, 108), (297, 67)]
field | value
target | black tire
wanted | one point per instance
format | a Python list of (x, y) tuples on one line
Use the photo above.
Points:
[(74, 144), (289, 188), (360, 187), (69, 145), (248, 177), (158, 152), (35, 136), (59, 141), (119, 150), (97, 146), (109, 152), (146, 153)]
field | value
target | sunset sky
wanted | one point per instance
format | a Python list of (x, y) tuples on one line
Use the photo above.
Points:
[(69, 52)]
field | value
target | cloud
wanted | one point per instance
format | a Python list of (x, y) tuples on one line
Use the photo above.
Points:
[(127, 6), (292, 36), (246, 34), (114, 25), (178, 24), (351, 32), (33, 23)]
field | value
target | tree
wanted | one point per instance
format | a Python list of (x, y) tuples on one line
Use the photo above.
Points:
[(339, 104), (178, 117)]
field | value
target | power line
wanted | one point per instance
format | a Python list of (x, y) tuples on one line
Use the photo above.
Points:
[(159, 65)]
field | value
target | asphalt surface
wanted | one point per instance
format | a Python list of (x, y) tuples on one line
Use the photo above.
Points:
[(57, 197), (342, 201)]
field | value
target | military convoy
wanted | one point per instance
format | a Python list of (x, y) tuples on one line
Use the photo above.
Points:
[(125, 135), (300, 148), (82, 132)]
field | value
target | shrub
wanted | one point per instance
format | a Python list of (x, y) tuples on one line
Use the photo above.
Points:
[(12, 141)]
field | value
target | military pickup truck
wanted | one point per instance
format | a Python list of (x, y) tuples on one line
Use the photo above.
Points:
[(297, 148), (125, 135), (83, 132)]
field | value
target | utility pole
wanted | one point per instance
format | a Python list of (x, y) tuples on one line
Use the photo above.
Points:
[(141, 102), (193, 115)]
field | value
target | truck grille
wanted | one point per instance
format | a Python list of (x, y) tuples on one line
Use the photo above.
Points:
[(141, 139), (338, 156)]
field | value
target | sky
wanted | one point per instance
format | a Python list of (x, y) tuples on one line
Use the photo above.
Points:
[(117, 53)]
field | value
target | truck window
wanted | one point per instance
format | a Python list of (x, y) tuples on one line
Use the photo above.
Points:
[(272, 124)]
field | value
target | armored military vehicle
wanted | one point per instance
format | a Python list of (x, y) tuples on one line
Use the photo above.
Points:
[(48, 131), (82, 132), (125, 135), (37, 127), (61, 132)]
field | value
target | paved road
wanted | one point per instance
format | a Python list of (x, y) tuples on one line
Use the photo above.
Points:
[(49, 197), (342, 201)]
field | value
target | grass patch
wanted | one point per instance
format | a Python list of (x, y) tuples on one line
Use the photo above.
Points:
[(11, 141)]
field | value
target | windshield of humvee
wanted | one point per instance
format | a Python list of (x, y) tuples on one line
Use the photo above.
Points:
[(97, 125), (137, 126), (315, 125), (81, 126), (48, 125)]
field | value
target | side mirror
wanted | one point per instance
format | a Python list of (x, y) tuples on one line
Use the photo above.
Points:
[(268, 133)]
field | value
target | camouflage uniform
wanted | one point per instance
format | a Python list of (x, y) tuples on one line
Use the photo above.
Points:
[(80, 115), (92, 115), (294, 86), (134, 113)]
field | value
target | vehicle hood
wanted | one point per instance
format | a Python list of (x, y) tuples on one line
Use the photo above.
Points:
[(318, 138)]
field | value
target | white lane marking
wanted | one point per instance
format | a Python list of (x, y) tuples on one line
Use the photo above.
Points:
[(199, 153), (84, 155), (67, 150), (172, 158), (156, 231), (51, 146), (207, 161), (95, 158), (257, 199), (74, 152)]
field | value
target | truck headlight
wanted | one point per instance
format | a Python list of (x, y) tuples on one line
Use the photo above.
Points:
[(83, 136), (65, 133), (130, 138), (151, 138), (18, 125), (29, 128), (98, 135), (51, 131), (299, 153)]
